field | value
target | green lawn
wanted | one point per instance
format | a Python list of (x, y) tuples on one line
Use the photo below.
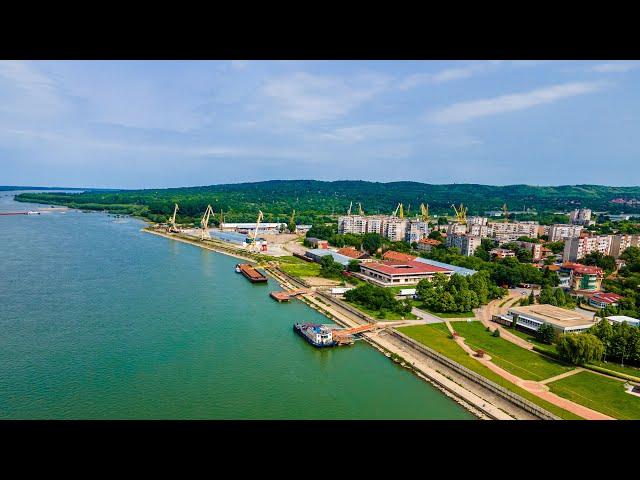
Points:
[(514, 359), (529, 337), (298, 267), (384, 315), (603, 394), (633, 371), (436, 336)]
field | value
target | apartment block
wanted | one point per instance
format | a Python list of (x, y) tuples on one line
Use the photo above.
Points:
[(534, 248), (396, 229), (454, 228), (513, 230), (577, 248), (562, 231), (581, 216), (417, 230), (619, 243), (467, 244)]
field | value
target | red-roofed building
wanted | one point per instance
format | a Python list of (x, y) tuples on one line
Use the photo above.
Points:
[(395, 272), (393, 255), (580, 278), (601, 300), (426, 244), (353, 253)]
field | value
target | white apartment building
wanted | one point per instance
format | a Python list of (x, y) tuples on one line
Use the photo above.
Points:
[(483, 231), (619, 243), (454, 228), (396, 229), (562, 231), (467, 244), (417, 230), (577, 248), (352, 224), (513, 230), (477, 221), (580, 217), (377, 224)]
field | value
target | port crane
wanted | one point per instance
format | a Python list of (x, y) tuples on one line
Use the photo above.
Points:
[(293, 216), (424, 210), (401, 211), (172, 220), (360, 210), (204, 223), (461, 213), (505, 213), (349, 211), (252, 245)]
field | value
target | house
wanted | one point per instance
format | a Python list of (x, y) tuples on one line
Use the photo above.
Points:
[(602, 300), (393, 272), (634, 322), (532, 317), (353, 253), (426, 244), (317, 243), (502, 253)]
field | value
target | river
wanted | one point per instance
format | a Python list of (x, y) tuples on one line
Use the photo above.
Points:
[(101, 321)]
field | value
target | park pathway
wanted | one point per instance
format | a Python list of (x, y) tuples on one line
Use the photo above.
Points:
[(562, 375), (538, 389)]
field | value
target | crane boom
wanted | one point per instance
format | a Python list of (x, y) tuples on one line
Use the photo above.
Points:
[(401, 214), (360, 211), (350, 205), (172, 220), (505, 213), (255, 232), (425, 212), (204, 223)]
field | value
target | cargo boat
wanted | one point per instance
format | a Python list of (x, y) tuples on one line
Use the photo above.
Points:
[(251, 273), (319, 336)]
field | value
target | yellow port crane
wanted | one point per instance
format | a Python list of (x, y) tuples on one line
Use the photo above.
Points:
[(360, 210), (252, 245), (461, 213), (398, 212), (221, 218), (204, 223), (424, 210), (172, 220), (350, 205)]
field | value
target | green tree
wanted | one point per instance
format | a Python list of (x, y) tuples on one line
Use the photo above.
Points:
[(579, 348), (532, 298), (371, 242), (545, 334), (329, 268), (354, 265), (604, 331)]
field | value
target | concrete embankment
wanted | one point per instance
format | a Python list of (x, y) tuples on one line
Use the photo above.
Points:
[(480, 399)]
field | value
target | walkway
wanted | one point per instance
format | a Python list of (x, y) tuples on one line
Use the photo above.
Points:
[(539, 389)]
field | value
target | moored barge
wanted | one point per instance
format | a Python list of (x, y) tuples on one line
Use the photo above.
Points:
[(319, 336), (251, 273)]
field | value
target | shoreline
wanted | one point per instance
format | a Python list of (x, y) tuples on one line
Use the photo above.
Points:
[(466, 398)]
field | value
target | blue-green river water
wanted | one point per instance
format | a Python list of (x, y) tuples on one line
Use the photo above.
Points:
[(101, 321)]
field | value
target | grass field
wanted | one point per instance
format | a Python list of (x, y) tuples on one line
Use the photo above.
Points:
[(633, 371), (436, 336), (603, 394), (299, 268), (532, 340), (514, 359)]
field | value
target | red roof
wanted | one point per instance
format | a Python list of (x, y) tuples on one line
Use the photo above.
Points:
[(606, 297), (403, 268), (393, 255), (350, 252), (430, 241), (582, 269)]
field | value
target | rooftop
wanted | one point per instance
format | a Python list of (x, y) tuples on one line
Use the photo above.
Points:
[(404, 268), (606, 297), (393, 255), (465, 272), (351, 252), (555, 315), (582, 269)]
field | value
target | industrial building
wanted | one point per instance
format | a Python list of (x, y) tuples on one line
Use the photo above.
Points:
[(316, 255), (317, 242), (532, 317), (264, 228)]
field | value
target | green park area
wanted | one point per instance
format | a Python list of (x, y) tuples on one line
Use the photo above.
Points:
[(524, 363), (436, 337), (383, 314), (604, 394), (298, 267)]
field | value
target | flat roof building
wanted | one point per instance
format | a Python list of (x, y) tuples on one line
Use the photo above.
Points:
[(465, 272), (634, 322), (562, 320), (317, 253)]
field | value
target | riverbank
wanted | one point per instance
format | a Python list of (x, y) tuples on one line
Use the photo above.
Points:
[(478, 400)]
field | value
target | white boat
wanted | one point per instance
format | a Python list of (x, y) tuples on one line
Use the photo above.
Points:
[(237, 268), (33, 212)]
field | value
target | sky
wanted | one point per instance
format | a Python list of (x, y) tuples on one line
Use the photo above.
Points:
[(155, 124)]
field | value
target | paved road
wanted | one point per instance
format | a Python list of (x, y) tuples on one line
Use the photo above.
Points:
[(426, 316)]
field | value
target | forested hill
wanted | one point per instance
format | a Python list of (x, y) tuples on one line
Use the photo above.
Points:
[(314, 199)]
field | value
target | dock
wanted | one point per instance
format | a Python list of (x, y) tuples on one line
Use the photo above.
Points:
[(285, 296)]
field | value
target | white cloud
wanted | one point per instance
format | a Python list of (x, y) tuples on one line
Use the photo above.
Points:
[(27, 91), (614, 67), (447, 75), (463, 111), (307, 98), (359, 133)]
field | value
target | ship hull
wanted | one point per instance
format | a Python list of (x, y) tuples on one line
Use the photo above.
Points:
[(298, 330)]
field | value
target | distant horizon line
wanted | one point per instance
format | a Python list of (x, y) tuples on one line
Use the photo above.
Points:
[(40, 187)]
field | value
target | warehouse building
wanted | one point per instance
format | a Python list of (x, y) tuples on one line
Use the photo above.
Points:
[(532, 317)]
